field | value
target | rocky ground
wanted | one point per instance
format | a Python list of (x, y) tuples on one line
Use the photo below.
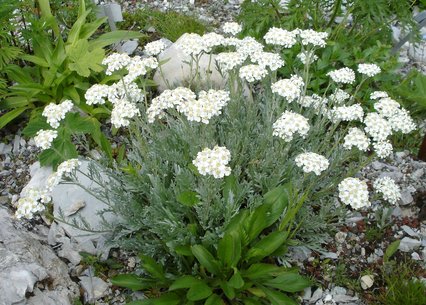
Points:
[(40, 261)]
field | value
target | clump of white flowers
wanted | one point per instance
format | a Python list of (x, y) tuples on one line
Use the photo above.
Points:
[(68, 167), (139, 67), (356, 137), (378, 94), (311, 37), (347, 113), (44, 138), (211, 40), (354, 192), (280, 37), (343, 75), (388, 188), (252, 73), (154, 48), (116, 62), (54, 113), (377, 127), (230, 60), (369, 70), (27, 207), (386, 107), (213, 162), (249, 46), (290, 88), (383, 149), (289, 124), (339, 96), (402, 121), (96, 94), (122, 112), (191, 44), (268, 59), (120, 91), (312, 163), (232, 28), (307, 57)]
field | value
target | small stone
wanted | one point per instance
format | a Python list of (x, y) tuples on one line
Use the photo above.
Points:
[(409, 244), (16, 144), (339, 290), (94, 287), (129, 46), (396, 175), (409, 231), (316, 295), (307, 293), (378, 165), (75, 207), (415, 256), (417, 174), (406, 197), (367, 281), (5, 149), (340, 237), (331, 255), (131, 262)]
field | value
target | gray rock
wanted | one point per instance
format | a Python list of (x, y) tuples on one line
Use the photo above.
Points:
[(395, 175), (409, 244), (16, 144), (378, 165), (94, 287), (331, 255), (48, 298), (415, 256), (300, 253), (406, 197), (316, 295), (24, 261), (410, 231), (417, 174), (39, 177), (128, 47), (5, 149)]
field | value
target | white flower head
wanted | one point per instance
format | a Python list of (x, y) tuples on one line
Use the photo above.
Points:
[(232, 28), (252, 73), (377, 127), (191, 44), (67, 167), (383, 149), (154, 48), (116, 62), (356, 137), (230, 60), (369, 70), (311, 37), (388, 188), (249, 46), (54, 113), (339, 96), (27, 207), (124, 91), (289, 124), (139, 67), (289, 88), (401, 121), (211, 40), (268, 59), (378, 95), (44, 138), (213, 162), (343, 75), (280, 37), (386, 107), (354, 192), (312, 162), (307, 57), (122, 112), (347, 113), (96, 94)]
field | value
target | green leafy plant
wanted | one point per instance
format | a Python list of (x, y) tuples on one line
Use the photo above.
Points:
[(236, 272)]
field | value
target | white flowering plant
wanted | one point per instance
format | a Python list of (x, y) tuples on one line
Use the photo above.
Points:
[(203, 164)]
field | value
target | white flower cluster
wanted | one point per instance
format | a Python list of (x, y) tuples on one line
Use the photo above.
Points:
[(314, 101), (339, 96), (383, 149), (377, 127), (138, 67), (211, 40), (388, 188), (116, 62), (343, 75), (44, 138), (312, 162), (311, 37), (290, 88), (33, 199), (369, 70), (347, 113), (232, 28), (120, 91), (402, 121), (386, 107), (356, 137), (290, 123), (208, 105), (307, 57), (268, 59), (213, 162), (122, 112), (191, 44), (354, 192), (229, 60), (154, 48), (249, 46), (55, 113), (378, 95), (252, 73), (280, 37), (96, 94)]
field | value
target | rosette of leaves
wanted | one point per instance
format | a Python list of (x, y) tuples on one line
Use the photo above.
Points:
[(238, 270)]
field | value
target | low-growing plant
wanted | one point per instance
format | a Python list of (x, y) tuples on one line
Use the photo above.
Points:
[(212, 183)]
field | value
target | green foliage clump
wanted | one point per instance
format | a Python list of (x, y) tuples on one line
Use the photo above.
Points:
[(170, 24)]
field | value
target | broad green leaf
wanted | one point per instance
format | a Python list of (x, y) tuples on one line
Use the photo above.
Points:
[(14, 102), (229, 188), (78, 124), (74, 33), (131, 281), (165, 299), (188, 198), (275, 201), (289, 282), (112, 37), (71, 93), (18, 74), (36, 60), (199, 291), (236, 281), (214, 299), (263, 271), (184, 250), (267, 245), (227, 290), (229, 249), (88, 29), (82, 60), (391, 250), (278, 298), (59, 54), (251, 301), (63, 150), (10, 116), (186, 281), (152, 267), (34, 126), (206, 259)]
